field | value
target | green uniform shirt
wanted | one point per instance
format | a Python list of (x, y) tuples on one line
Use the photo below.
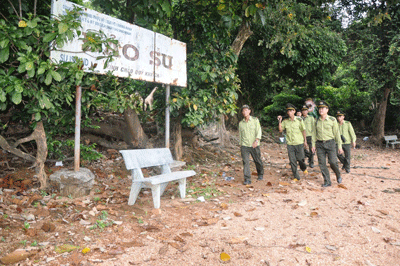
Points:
[(294, 130), (249, 131), (309, 122), (326, 130), (347, 130)]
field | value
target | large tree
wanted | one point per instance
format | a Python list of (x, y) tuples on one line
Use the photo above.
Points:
[(373, 46)]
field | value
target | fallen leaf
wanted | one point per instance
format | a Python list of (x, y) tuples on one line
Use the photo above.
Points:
[(383, 212), (269, 184), (308, 249), (186, 234), (163, 249), (237, 240), (224, 206), (282, 183), (342, 186), (65, 248), (151, 228), (251, 219), (178, 238), (314, 214), (225, 257), (296, 245), (85, 250), (237, 214), (175, 245), (250, 210)]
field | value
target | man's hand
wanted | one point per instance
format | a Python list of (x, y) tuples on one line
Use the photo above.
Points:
[(353, 145), (279, 118), (340, 151), (305, 145), (313, 149), (255, 143)]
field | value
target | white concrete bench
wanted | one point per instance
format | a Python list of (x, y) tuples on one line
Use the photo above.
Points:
[(135, 160), (392, 140)]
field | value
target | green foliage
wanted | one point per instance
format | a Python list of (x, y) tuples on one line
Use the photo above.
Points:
[(61, 150)]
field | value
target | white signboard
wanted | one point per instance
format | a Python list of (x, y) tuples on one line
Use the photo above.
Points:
[(143, 54)]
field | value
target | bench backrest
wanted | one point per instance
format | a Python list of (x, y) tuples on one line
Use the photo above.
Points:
[(391, 137), (136, 159)]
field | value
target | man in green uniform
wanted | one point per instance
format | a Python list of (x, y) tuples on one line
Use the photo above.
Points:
[(296, 139), (349, 139), (326, 133), (249, 137), (309, 122)]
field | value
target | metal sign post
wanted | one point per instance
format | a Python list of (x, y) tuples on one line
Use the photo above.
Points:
[(167, 129)]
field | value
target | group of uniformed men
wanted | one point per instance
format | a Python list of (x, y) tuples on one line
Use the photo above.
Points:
[(313, 131)]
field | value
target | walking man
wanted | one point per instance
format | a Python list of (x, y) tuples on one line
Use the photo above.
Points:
[(250, 136), (296, 139), (349, 139), (309, 122), (326, 134)]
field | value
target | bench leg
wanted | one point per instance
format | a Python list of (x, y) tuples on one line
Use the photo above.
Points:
[(135, 189), (182, 187), (155, 191), (163, 186)]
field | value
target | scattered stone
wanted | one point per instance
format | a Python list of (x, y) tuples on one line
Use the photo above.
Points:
[(333, 248), (302, 203), (375, 230), (28, 217)]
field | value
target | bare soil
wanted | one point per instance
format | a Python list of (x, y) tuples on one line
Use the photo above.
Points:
[(276, 221)]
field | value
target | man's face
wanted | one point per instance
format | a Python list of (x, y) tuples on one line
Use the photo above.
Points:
[(304, 112), (323, 111), (291, 112), (340, 118), (246, 112)]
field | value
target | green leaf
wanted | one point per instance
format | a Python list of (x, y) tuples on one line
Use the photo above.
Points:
[(18, 88), (37, 116), (29, 65), (62, 28), (32, 23), (47, 102), (49, 37), (247, 12), (41, 70), (21, 68), (3, 96), (56, 76), (48, 79), (16, 98), (31, 73), (4, 54), (4, 43)]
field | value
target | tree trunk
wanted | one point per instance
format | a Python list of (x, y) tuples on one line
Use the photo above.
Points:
[(139, 138), (39, 136), (242, 36), (177, 137), (237, 45), (378, 123)]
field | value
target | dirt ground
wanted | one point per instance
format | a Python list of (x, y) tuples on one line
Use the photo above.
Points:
[(276, 221)]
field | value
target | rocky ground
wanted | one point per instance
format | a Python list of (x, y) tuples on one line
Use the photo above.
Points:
[(276, 221)]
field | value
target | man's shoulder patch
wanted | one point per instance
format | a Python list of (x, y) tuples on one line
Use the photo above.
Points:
[(332, 118), (299, 118)]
